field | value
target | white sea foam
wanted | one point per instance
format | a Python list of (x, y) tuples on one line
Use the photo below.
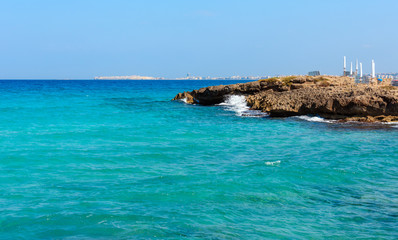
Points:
[(184, 100), (315, 119), (390, 123), (272, 163), (237, 104), (322, 120)]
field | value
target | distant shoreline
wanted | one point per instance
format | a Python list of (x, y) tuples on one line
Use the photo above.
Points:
[(224, 79)]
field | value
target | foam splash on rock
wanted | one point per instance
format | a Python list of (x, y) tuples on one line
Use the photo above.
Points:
[(238, 104)]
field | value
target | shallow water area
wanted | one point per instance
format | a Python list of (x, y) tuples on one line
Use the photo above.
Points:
[(120, 160)]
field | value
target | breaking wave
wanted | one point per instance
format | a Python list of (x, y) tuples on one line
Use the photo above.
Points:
[(238, 104), (315, 119)]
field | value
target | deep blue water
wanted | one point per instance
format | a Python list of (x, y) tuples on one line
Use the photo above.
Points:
[(119, 160)]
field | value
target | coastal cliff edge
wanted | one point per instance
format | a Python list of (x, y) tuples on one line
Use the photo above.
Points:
[(330, 97)]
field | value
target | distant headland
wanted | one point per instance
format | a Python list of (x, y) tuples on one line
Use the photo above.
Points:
[(131, 77)]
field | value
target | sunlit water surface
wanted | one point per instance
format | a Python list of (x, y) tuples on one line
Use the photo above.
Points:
[(119, 160)]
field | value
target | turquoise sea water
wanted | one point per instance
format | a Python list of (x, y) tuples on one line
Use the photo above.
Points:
[(119, 160)]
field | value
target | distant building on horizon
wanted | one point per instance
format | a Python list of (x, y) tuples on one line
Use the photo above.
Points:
[(314, 73)]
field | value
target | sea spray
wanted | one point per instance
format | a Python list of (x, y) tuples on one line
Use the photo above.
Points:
[(238, 104)]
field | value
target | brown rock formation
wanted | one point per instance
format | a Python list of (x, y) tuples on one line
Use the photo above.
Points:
[(327, 96)]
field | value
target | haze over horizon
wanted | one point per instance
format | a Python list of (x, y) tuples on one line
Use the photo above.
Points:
[(83, 39)]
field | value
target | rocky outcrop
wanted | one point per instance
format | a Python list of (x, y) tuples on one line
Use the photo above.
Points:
[(216, 94), (326, 96)]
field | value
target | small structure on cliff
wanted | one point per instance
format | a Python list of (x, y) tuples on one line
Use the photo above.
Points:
[(314, 73)]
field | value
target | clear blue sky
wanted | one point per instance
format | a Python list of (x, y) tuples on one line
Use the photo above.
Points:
[(88, 38)]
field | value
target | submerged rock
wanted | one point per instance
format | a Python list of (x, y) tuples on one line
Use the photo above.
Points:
[(327, 96)]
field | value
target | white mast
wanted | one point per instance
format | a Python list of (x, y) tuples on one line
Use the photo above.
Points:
[(345, 66), (351, 70), (360, 70), (373, 69)]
